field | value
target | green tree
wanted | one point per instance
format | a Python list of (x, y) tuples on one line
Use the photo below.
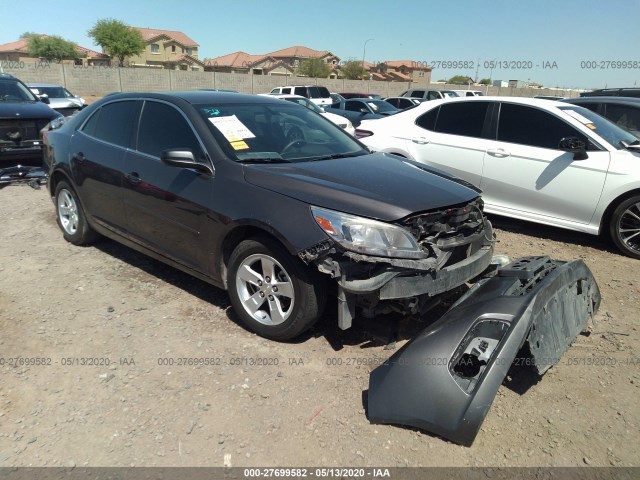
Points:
[(49, 47), (352, 70), (315, 68), (485, 81), (117, 39), (459, 80)]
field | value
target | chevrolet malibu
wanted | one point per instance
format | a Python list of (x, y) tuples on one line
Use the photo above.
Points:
[(209, 183)]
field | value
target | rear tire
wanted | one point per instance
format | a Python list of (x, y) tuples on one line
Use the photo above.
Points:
[(624, 227), (71, 217), (272, 292)]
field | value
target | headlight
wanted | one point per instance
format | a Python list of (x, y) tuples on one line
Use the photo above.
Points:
[(367, 236), (56, 123)]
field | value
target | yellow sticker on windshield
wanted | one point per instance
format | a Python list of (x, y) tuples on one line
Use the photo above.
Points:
[(239, 145)]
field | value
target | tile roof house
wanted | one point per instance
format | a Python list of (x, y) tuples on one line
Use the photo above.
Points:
[(167, 49), (280, 62), (401, 71), (18, 52)]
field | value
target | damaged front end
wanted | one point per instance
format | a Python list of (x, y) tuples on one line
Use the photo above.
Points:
[(21, 174), (453, 245), (444, 381)]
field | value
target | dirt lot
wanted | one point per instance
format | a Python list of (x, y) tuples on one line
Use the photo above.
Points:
[(109, 303)]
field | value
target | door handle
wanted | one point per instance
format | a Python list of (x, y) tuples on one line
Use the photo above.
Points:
[(498, 152), (133, 177), (420, 140)]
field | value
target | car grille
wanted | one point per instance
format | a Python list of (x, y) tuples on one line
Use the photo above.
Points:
[(458, 229), (21, 130), (68, 111)]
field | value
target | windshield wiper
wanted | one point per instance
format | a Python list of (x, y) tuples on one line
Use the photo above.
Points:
[(264, 160), (335, 156)]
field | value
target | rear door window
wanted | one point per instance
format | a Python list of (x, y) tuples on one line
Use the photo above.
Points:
[(428, 120), (113, 123), (462, 118)]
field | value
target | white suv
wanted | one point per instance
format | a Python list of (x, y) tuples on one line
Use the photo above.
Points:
[(316, 93)]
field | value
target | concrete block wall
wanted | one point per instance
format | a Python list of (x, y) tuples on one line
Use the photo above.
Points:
[(99, 81)]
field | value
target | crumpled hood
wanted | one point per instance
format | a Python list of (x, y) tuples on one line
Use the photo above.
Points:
[(26, 110), (380, 186)]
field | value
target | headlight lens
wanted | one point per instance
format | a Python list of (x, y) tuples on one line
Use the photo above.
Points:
[(367, 236), (56, 123)]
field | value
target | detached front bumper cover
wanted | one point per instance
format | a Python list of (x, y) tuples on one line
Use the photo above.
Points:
[(444, 381)]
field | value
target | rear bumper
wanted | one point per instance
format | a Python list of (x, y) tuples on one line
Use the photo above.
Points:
[(444, 380)]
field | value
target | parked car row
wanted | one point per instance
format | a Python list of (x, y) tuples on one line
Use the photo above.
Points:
[(296, 133), (359, 109)]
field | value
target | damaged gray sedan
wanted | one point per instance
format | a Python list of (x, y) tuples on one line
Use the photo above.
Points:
[(211, 183), (215, 184)]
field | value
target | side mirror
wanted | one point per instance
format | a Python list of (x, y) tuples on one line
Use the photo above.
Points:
[(575, 145), (364, 110), (183, 159)]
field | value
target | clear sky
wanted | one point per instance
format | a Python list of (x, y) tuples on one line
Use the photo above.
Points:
[(576, 40)]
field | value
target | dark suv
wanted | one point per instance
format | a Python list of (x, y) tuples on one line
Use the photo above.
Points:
[(22, 116), (623, 111), (210, 183), (613, 92)]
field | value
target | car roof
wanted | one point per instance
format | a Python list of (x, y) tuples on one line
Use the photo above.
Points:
[(605, 99), (43, 85), (7, 76), (521, 100), (198, 96), (282, 95)]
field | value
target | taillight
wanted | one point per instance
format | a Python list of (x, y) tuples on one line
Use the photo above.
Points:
[(363, 133)]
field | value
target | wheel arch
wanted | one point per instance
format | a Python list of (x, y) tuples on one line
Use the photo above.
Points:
[(56, 177), (244, 232), (606, 216)]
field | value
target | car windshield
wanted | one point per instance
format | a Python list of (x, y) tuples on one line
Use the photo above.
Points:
[(601, 126), (379, 106), (282, 132), (12, 91), (305, 103), (55, 92)]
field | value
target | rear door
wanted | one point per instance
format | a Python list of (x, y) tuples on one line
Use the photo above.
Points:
[(166, 206), (98, 151), (526, 175), (453, 137)]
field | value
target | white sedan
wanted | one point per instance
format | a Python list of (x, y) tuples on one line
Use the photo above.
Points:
[(538, 160), (342, 122)]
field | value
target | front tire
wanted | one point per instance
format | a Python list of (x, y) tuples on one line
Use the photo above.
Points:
[(625, 227), (71, 217), (273, 293)]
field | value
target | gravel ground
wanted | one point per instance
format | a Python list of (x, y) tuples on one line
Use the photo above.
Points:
[(264, 403)]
